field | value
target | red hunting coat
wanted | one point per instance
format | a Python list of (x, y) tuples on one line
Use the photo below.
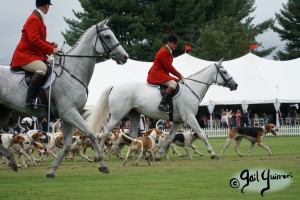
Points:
[(162, 68), (33, 45)]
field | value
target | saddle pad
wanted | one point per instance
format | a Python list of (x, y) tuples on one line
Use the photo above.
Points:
[(48, 82)]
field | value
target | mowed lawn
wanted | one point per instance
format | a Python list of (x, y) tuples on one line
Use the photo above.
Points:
[(179, 178)]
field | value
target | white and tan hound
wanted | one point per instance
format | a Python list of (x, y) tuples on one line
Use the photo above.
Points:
[(143, 145)]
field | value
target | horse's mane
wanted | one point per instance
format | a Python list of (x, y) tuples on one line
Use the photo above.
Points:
[(76, 44), (190, 76)]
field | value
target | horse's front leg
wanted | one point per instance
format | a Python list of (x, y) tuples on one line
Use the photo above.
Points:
[(170, 138), (67, 142), (192, 122), (77, 121)]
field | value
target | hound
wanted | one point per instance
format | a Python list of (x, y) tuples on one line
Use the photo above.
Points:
[(253, 134), (117, 142), (181, 139), (76, 147), (55, 140), (185, 140), (87, 143), (7, 140), (143, 145), (27, 148), (34, 135), (32, 138)]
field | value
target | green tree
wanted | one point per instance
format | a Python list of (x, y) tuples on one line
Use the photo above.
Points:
[(289, 19), (141, 26), (227, 38), (229, 31)]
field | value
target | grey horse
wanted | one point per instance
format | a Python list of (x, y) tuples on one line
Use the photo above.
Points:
[(132, 98), (69, 90), (10, 157)]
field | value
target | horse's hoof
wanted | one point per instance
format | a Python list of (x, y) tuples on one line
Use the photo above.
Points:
[(157, 159), (50, 175), (104, 170), (214, 157), (13, 166)]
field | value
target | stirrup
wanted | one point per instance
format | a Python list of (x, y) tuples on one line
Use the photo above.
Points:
[(34, 103), (164, 107)]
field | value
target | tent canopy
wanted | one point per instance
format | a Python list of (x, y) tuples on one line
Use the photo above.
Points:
[(260, 80)]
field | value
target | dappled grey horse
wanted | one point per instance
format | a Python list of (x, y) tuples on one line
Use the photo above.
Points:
[(69, 90), (133, 98)]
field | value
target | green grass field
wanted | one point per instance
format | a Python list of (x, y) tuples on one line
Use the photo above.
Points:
[(179, 178)]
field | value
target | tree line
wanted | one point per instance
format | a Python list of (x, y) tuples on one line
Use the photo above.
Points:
[(214, 29)]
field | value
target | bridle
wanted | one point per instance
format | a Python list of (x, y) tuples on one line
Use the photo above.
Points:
[(99, 37), (226, 81), (106, 48)]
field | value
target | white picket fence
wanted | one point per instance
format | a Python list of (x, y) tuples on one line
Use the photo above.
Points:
[(223, 132), (282, 131)]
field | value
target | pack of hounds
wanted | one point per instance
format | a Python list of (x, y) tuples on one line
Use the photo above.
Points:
[(22, 146)]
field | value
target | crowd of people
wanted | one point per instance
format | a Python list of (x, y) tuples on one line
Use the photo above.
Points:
[(237, 118), (244, 118)]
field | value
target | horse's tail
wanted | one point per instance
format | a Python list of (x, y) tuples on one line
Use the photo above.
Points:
[(228, 120), (97, 115)]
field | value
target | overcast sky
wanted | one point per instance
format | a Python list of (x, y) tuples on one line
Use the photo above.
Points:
[(13, 14)]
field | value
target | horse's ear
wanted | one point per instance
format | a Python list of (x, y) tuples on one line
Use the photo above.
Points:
[(107, 20), (104, 22), (220, 62)]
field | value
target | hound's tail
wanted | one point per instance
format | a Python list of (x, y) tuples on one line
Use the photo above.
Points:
[(96, 116), (228, 118), (21, 127), (127, 137), (56, 127)]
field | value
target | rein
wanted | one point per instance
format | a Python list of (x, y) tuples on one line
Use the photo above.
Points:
[(193, 90), (77, 79), (218, 71)]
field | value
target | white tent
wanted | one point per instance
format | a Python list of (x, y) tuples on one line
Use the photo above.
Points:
[(260, 80)]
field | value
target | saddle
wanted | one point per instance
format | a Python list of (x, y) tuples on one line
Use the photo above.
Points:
[(28, 75), (27, 78)]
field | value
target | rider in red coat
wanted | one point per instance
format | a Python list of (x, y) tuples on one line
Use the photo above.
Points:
[(161, 70), (32, 50)]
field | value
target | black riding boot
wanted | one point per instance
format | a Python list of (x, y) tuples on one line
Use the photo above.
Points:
[(164, 104), (33, 89)]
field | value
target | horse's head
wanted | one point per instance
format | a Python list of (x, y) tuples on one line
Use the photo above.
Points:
[(224, 78), (107, 43)]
